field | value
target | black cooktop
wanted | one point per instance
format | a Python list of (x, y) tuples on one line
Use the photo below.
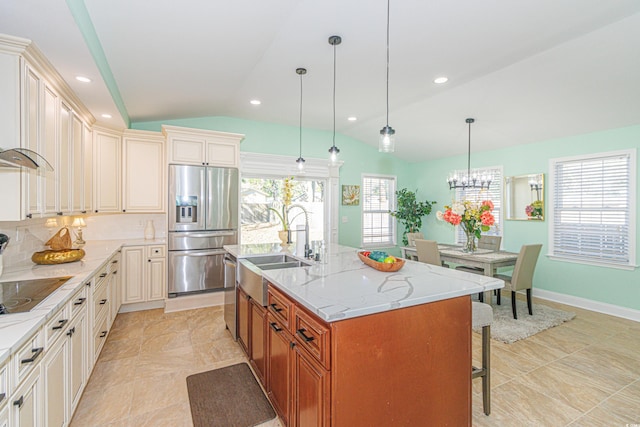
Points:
[(22, 295)]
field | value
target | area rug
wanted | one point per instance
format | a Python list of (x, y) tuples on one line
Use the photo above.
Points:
[(509, 330), (227, 397)]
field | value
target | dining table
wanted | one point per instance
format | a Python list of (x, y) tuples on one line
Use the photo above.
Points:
[(486, 259)]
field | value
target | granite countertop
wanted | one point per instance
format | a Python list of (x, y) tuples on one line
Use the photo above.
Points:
[(16, 328), (343, 287)]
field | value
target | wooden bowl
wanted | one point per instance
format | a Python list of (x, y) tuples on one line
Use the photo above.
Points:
[(388, 267), (50, 257)]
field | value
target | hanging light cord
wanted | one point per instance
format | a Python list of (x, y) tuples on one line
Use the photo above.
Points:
[(469, 154), (334, 95), (300, 115), (388, 10)]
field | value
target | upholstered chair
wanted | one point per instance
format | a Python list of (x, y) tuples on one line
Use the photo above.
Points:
[(522, 277), (411, 238), (482, 317), (428, 252)]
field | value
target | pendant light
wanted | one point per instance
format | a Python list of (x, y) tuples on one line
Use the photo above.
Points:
[(301, 72), (387, 142), (480, 182), (334, 151)]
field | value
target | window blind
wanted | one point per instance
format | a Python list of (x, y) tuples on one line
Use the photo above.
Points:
[(494, 193), (592, 209), (378, 198)]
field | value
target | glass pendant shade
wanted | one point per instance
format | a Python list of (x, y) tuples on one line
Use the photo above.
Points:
[(300, 163), (387, 140), (333, 153)]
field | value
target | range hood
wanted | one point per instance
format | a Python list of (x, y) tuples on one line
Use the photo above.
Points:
[(22, 157)]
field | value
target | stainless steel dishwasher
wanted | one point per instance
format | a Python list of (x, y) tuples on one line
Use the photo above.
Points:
[(230, 268)]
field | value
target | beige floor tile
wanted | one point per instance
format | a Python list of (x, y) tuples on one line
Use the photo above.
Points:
[(564, 339), (104, 405), (157, 393), (576, 390), (213, 352), (597, 366), (510, 364), (167, 341), (152, 363), (110, 373), (166, 325), (120, 349), (497, 418), (176, 415), (126, 331), (521, 402)]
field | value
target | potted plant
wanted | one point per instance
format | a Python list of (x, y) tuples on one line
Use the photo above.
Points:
[(410, 212)]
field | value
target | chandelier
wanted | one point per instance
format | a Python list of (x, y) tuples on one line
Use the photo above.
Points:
[(469, 180)]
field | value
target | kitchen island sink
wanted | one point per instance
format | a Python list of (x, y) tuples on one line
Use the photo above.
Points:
[(250, 273)]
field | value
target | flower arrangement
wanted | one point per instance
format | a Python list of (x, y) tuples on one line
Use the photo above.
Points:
[(287, 195), (474, 218), (534, 210)]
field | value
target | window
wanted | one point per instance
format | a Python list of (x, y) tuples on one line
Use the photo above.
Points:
[(260, 224), (593, 208), (494, 193), (378, 198)]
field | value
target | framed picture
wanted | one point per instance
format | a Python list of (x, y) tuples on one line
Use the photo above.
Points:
[(351, 195)]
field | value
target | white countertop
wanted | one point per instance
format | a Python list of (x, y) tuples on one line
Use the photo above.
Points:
[(344, 287), (16, 328)]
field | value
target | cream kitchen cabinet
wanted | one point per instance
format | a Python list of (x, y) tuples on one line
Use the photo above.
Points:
[(107, 154), (4, 416), (143, 168), (26, 407), (202, 147), (54, 370), (38, 111), (144, 277)]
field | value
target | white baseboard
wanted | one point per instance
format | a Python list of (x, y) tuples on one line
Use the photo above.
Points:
[(140, 306), (587, 304), (190, 302)]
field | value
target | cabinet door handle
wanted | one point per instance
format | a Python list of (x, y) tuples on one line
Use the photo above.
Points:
[(36, 353), (87, 284), (103, 301), (103, 275), (80, 300), (301, 334), (292, 344), (275, 308), (59, 213), (274, 326), (2, 397), (29, 216), (114, 261), (71, 331), (115, 272), (19, 402), (84, 212), (103, 334), (60, 324)]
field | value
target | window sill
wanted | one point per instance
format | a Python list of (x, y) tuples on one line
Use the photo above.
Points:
[(592, 263)]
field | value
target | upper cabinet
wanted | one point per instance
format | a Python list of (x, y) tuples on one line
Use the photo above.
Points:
[(107, 156), (202, 147), (143, 172), (39, 111)]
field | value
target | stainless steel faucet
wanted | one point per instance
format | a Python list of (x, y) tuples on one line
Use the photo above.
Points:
[(307, 250)]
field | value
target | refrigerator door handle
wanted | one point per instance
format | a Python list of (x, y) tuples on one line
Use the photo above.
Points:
[(199, 252), (207, 234)]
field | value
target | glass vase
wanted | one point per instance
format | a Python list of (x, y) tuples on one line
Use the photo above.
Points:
[(470, 244)]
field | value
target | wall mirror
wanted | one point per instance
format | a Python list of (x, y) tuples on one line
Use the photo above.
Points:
[(524, 196)]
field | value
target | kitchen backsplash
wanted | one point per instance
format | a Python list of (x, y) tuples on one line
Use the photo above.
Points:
[(29, 236)]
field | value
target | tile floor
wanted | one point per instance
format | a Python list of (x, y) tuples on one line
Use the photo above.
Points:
[(583, 373)]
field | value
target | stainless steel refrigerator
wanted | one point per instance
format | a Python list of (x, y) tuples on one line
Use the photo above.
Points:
[(203, 216)]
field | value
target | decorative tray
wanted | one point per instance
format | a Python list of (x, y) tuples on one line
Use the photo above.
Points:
[(382, 266), (51, 257)]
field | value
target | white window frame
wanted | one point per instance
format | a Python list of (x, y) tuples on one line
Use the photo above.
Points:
[(631, 231), (495, 230), (260, 165), (392, 220)]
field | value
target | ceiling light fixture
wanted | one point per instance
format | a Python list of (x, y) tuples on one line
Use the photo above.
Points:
[(106, 116), (334, 151), (83, 79), (387, 134), (352, 119), (468, 180), (255, 102), (301, 72), (441, 80)]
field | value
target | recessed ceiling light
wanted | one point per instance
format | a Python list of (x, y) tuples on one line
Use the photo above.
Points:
[(255, 102), (441, 80), (83, 79), (106, 116), (352, 119)]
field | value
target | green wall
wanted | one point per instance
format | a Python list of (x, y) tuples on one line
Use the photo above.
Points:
[(270, 138), (602, 284)]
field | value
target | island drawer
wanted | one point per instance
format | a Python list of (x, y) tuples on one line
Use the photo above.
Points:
[(314, 336), (100, 301), (280, 306), (156, 251), (78, 301), (56, 325)]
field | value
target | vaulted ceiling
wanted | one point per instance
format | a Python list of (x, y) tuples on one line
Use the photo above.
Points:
[(526, 71)]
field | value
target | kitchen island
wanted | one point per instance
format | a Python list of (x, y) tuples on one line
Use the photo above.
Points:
[(346, 345)]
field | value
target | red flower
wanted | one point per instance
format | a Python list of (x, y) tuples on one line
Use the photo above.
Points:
[(487, 218), (488, 203), (452, 217)]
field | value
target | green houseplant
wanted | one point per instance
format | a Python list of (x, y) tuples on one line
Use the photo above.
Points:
[(410, 212)]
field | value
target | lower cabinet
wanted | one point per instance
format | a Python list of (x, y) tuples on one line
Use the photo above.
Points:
[(55, 371), (78, 350), (244, 320), (311, 391), (145, 273), (258, 340), (279, 367), (27, 402)]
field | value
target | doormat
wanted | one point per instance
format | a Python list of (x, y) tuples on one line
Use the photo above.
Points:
[(509, 330), (227, 397)]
